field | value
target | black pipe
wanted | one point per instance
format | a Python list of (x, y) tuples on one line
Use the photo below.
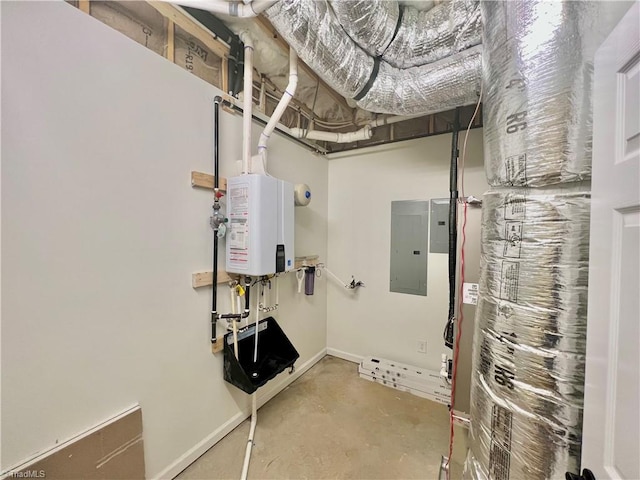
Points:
[(235, 65), (453, 229), (216, 165)]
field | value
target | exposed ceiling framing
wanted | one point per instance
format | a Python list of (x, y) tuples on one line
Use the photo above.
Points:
[(182, 39)]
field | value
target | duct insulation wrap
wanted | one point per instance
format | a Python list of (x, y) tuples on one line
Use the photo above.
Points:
[(530, 334), (312, 30), (432, 88), (422, 36), (369, 23), (537, 75)]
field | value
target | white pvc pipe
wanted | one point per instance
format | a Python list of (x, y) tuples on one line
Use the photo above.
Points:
[(235, 338), (345, 285), (281, 107), (232, 291), (247, 107), (257, 7), (255, 343), (380, 121), (364, 133), (252, 431), (242, 10)]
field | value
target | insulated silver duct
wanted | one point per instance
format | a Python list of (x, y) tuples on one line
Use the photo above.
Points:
[(310, 28), (436, 87), (537, 108), (371, 24), (421, 37), (530, 337)]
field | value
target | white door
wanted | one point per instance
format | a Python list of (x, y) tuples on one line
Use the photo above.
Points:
[(611, 439)]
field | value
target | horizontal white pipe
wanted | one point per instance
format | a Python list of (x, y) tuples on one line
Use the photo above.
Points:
[(288, 94), (242, 10), (380, 121), (364, 133)]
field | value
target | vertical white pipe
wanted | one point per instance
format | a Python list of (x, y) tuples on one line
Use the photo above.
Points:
[(235, 327), (247, 106), (281, 107), (235, 338), (252, 430), (255, 345)]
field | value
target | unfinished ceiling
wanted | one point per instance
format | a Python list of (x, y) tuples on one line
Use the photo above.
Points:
[(174, 33)]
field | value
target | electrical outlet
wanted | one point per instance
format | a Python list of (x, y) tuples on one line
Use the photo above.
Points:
[(422, 346)]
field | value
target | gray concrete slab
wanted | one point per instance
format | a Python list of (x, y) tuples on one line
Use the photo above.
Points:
[(331, 424)]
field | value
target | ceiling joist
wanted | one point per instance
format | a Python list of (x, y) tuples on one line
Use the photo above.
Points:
[(190, 25)]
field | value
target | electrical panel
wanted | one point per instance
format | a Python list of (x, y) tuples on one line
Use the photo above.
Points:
[(260, 237), (439, 236), (409, 240)]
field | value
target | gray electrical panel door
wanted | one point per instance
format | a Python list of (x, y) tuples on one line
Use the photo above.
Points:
[(439, 236), (409, 243)]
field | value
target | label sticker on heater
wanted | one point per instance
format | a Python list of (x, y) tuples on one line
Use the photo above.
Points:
[(238, 239), (239, 200), (509, 281), (238, 235), (513, 239), (500, 450), (470, 293)]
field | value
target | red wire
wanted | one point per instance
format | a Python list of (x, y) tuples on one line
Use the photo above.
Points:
[(458, 335), (460, 303)]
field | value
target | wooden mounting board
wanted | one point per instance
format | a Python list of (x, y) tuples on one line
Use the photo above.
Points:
[(218, 346), (205, 279), (204, 180)]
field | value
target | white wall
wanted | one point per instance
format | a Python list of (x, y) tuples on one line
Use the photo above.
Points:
[(372, 320), (101, 232)]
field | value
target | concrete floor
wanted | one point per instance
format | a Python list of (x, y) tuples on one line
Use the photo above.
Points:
[(329, 423)]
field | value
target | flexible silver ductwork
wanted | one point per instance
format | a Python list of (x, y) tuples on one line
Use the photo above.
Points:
[(406, 37), (312, 29), (537, 108), (530, 328), (530, 334)]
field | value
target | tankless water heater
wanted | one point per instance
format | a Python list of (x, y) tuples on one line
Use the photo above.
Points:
[(260, 238)]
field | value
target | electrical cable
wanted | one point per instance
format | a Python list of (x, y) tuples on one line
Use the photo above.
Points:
[(460, 318)]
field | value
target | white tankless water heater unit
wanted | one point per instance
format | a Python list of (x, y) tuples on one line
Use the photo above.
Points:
[(261, 222)]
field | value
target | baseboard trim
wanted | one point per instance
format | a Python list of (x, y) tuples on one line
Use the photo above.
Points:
[(263, 397), (344, 355)]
